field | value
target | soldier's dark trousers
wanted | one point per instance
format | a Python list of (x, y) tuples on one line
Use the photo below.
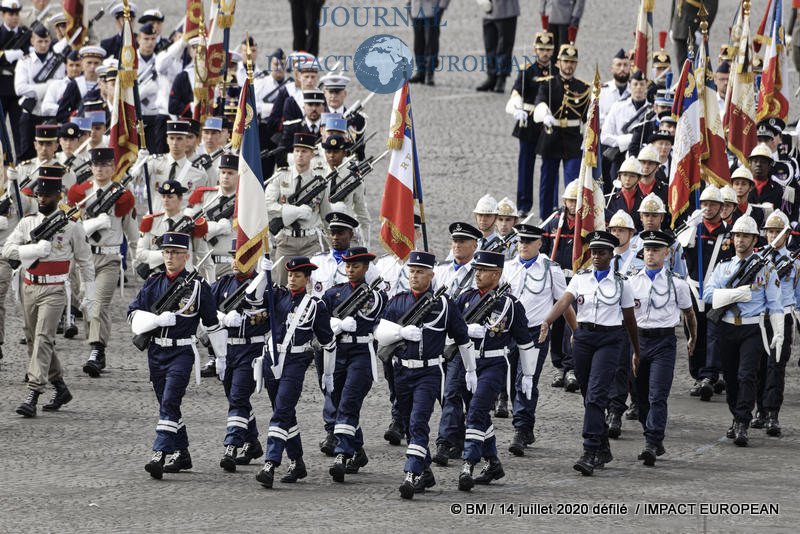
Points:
[(328, 407), (713, 364), (548, 188), (525, 166), (653, 382), (560, 346), (239, 386), (619, 389), (741, 348), (155, 133), (352, 380), (170, 378), (283, 430), (305, 28), (27, 131), (426, 43), (525, 410), (596, 354), (451, 424), (417, 391), (772, 373), (498, 42), (388, 374), (480, 441)]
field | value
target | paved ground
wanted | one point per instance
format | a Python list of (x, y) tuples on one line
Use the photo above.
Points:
[(80, 470)]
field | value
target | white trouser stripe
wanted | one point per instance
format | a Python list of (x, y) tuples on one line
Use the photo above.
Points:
[(232, 418), (414, 452), (165, 428), (418, 448), (277, 432), (345, 429), (237, 424)]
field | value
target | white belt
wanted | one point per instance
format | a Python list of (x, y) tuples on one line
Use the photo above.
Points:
[(528, 107), (567, 123), (300, 349), (246, 340), (46, 278), (105, 250), (221, 259), (169, 342), (741, 320), (348, 338), (498, 353), (788, 309), (419, 364)]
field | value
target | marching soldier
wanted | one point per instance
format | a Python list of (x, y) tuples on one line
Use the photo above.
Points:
[(45, 143), (605, 304), (648, 183), (739, 335), (766, 189), (70, 137), (685, 24), (334, 87), (611, 92), (45, 267), (297, 228), (349, 377), (507, 218), (629, 197), (105, 232), (537, 282), (305, 318), (172, 351), (83, 85), (418, 375), (485, 216), (148, 83), (742, 183), (9, 32), (520, 105), (659, 298), (652, 214), (213, 138), (628, 124), (335, 147)]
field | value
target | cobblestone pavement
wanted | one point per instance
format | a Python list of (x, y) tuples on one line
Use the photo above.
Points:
[(81, 469)]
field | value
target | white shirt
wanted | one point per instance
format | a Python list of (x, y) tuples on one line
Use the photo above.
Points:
[(148, 86), (395, 275), (609, 93), (55, 90), (611, 133), (600, 302), (24, 72), (262, 87), (446, 274), (658, 303), (536, 287), (329, 273)]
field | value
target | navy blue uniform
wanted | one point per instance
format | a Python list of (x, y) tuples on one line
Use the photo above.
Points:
[(171, 355), (618, 202), (8, 96), (181, 96), (560, 333)]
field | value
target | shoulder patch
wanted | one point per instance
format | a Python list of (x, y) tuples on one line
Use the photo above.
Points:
[(293, 121)]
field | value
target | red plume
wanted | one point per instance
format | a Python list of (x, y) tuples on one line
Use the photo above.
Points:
[(662, 39), (572, 33), (545, 22)]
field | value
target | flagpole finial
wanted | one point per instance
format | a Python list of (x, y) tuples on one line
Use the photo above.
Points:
[(596, 81), (249, 57), (126, 10), (703, 14)]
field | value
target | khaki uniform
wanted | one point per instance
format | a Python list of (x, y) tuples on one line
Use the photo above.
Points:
[(160, 168), (79, 160), (30, 169), (220, 233), (301, 237), (355, 204), (43, 294), (6, 270), (154, 226)]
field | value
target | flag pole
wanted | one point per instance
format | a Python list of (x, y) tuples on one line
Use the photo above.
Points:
[(417, 180)]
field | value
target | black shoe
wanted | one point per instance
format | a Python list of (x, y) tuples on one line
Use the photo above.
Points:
[(633, 413), (296, 471), (487, 85), (1, 352), (517, 447), (358, 461), (719, 386), (429, 78), (570, 382), (603, 457), (758, 421), (454, 452), (660, 450), (209, 369), (585, 464), (394, 434), (250, 451), (338, 469), (71, 331), (558, 379), (418, 77), (61, 396), (492, 470), (266, 475), (156, 465), (500, 85), (648, 455), (614, 422), (501, 409), (773, 427), (408, 488), (706, 389), (28, 407), (180, 460), (327, 445), (740, 434), (731, 433), (465, 481), (694, 391), (93, 364), (424, 481), (228, 461), (442, 456), (77, 313)]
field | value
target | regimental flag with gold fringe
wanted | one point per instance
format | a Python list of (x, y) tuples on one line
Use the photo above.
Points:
[(202, 90), (216, 52), (773, 97), (194, 19), (250, 212), (590, 208), (124, 138), (75, 13), (740, 99), (714, 158), (643, 48), (397, 205)]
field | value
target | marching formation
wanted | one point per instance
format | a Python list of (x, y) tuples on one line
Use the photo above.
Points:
[(599, 286)]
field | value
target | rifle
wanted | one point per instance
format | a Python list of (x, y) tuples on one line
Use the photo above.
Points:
[(643, 114), (275, 89), (496, 245), (358, 171), (414, 316), (358, 106), (109, 200), (744, 276), (187, 224), (23, 38), (53, 62), (163, 44), (205, 161), (83, 171), (170, 301), (479, 313), (99, 15), (349, 306), (785, 264), (5, 200)]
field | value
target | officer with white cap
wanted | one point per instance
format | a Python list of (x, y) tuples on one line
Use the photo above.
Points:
[(485, 216), (741, 337), (652, 212)]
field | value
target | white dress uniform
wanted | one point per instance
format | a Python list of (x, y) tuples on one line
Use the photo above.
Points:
[(330, 272), (611, 133), (168, 65), (24, 86), (609, 95), (536, 283), (395, 274), (457, 278), (29, 170), (600, 302), (658, 303), (55, 90), (149, 85), (160, 166), (263, 87)]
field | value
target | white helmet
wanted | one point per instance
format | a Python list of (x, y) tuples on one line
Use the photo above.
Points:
[(712, 193), (761, 149), (745, 225), (729, 195), (507, 207), (742, 172), (571, 191), (777, 220), (486, 204), (631, 165), (652, 203), (621, 219), (648, 153)]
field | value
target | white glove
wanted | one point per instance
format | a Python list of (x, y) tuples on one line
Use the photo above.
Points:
[(788, 40), (521, 116), (476, 330), (550, 121), (232, 319), (776, 320), (101, 222), (220, 364), (526, 387), (60, 45), (624, 141), (327, 383), (190, 212), (336, 326), (724, 296), (291, 213), (471, 378), (166, 318), (154, 258), (3, 223), (485, 5), (411, 333), (43, 248), (13, 55), (264, 264), (220, 227), (348, 324)]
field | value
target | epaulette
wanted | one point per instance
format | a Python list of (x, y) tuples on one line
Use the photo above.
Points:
[(634, 272), (583, 271), (26, 161), (77, 192), (197, 195), (640, 254), (724, 260), (293, 121), (147, 222), (200, 227)]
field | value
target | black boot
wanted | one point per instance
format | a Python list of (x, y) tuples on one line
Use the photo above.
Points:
[(180, 460), (719, 386), (648, 455), (442, 456), (424, 481), (731, 433), (71, 330), (429, 78), (603, 456), (633, 413), (394, 434), (758, 421), (694, 391), (209, 369), (706, 389), (614, 422), (517, 447), (408, 488), (501, 408), (500, 85), (28, 407), (660, 450), (571, 382), (454, 452), (558, 379), (338, 469), (228, 461), (358, 461), (740, 434), (773, 427), (250, 451), (487, 85), (61, 396), (296, 471), (585, 464), (327, 445), (96, 360), (266, 475), (156, 465), (492, 470), (418, 77), (465, 481)]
